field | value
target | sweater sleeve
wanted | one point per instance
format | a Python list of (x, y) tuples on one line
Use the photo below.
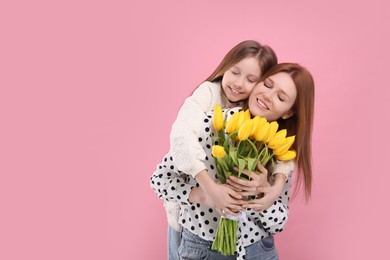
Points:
[(185, 148), (169, 184), (283, 167)]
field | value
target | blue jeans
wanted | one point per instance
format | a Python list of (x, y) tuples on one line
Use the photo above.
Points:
[(193, 247), (174, 238)]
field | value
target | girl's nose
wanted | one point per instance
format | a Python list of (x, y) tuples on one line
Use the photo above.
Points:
[(239, 82)]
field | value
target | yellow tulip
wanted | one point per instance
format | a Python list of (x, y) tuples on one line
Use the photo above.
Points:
[(278, 139), (256, 122), (273, 127), (289, 155), (231, 125), (282, 149), (241, 119), (261, 131), (217, 118), (218, 151), (247, 114), (245, 130)]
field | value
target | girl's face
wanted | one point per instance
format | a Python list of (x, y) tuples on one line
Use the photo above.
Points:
[(274, 97), (240, 79)]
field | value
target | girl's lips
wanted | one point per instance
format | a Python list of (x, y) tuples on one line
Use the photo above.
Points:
[(234, 91), (262, 104)]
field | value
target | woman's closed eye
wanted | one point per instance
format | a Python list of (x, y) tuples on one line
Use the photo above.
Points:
[(268, 83)]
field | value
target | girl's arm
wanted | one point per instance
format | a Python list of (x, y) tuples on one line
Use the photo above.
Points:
[(170, 185), (185, 148)]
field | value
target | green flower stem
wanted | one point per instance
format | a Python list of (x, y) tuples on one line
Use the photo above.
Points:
[(229, 137), (254, 148), (225, 240)]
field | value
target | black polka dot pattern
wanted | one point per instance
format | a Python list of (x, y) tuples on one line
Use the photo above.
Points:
[(203, 221)]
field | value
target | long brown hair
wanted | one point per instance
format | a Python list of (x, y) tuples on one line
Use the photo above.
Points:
[(301, 123), (264, 54)]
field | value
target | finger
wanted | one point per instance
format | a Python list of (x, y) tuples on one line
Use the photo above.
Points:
[(240, 188), (231, 186), (236, 208), (219, 211), (243, 183), (230, 212), (246, 172), (249, 193), (258, 208), (263, 189), (235, 194), (261, 168), (234, 185), (253, 203)]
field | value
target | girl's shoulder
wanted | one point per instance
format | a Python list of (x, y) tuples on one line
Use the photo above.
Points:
[(214, 87)]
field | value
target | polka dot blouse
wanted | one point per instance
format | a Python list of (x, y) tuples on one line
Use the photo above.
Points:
[(173, 185)]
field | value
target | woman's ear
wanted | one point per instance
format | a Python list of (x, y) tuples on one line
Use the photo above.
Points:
[(288, 114)]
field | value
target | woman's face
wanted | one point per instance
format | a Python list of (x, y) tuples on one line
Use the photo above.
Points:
[(239, 80), (274, 97)]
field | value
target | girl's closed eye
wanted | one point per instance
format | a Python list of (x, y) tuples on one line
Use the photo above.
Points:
[(250, 80), (235, 72)]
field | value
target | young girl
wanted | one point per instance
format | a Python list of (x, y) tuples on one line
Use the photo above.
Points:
[(229, 84), (285, 94)]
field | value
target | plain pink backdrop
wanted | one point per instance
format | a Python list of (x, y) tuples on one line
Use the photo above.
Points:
[(89, 90)]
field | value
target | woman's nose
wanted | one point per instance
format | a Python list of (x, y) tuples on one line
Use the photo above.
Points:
[(267, 96)]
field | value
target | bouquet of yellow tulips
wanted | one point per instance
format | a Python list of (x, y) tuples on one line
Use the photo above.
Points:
[(240, 143)]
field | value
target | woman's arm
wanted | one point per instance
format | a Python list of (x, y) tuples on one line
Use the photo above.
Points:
[(169, 184), (271, 210)]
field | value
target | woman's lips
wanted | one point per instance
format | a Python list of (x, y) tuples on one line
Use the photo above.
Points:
[(262, 104)]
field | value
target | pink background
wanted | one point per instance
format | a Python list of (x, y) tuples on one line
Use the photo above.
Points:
[(89, 90)]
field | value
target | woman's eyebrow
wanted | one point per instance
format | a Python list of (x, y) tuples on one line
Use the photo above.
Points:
[(269, 79)]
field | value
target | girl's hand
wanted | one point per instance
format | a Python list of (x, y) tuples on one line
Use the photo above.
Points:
[(225, 200), (219, 196)]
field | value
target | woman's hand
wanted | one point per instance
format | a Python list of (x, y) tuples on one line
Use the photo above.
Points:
[(258, 186), (253, 186)]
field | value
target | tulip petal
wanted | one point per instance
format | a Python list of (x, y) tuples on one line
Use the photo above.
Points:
[(288, 142), (273, 127), (245, 130), (218, 118), (231, 125), (289, 155)]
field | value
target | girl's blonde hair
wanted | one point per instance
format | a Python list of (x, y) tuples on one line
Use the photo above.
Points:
[(264, 54), (301, 123)]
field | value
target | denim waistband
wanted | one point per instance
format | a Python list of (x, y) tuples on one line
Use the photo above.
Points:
[(194, 238)]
